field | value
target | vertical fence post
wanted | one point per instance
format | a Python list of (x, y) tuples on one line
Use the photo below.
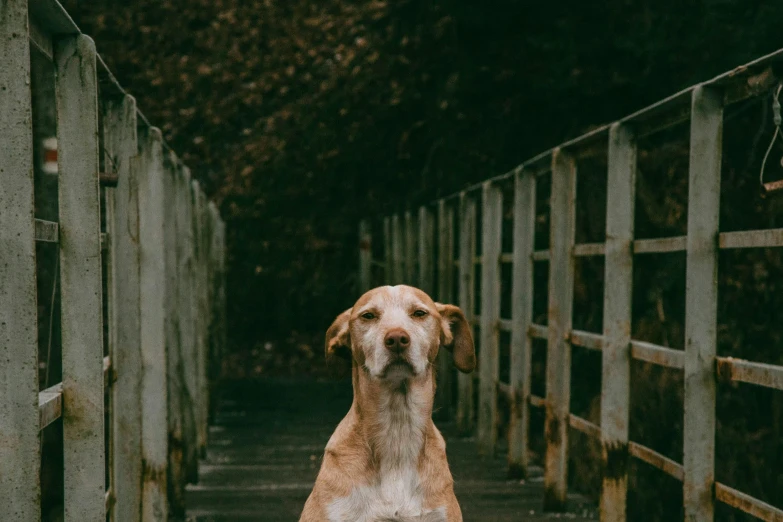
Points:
[(221, 288), (398, 251), (445, 294), (365, 257), (388, 251), (410, 249), (187, 323), (121, 145), (20, 488), (522, 318), (618, 292), (80, 280), (701, 303), (174, 385), (152, 278), (215, 354), (558, 363), (426, 241), (200, 316), (467, 302), (489, 353)]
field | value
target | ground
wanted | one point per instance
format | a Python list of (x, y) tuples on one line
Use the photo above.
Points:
[(266, 446)]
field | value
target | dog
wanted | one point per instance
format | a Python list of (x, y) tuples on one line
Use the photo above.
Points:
[(386, 461)]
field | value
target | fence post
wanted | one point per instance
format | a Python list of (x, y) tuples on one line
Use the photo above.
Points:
[(174, 384), (200, 317), (365, 257), (152, 279), (80, 279), (121, 145), (20, 429), (701, 303), (558, 363), (215, 354), (618, 293), (489, 352), (398, 250), (426, 251), (445, 294), (388, 252), (410, 249), (467, 302), (187, 323), (522, 318)]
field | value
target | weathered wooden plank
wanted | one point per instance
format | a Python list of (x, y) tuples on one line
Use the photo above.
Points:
[(397, 251), (660, 355), (748, 504), (538, 331), (200, 316), (466, 413), (618, 292), (19, 437), (769, 238), (426, 251), (659, 246), (489, 354), (445, 294), (522, 319), (365, 256), (589, 340), (206, 242), (121, 145), (655, 459), (388, 252), (46, 231), (701, 303), (50, 405), (589, 249), (187, 309), (174, 378), (80, 279), (215, 335), (409, 277), (738, 370), (584, 426), (558, 363), (152, 279)]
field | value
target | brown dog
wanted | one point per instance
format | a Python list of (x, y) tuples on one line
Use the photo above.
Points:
[(386, 461)]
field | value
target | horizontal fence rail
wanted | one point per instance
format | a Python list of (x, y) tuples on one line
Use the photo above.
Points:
[(478, 210), (137, 274)]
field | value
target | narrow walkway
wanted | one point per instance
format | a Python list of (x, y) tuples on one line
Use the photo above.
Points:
[(265, 450)]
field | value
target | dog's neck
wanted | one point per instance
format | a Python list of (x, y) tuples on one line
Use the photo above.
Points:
[(394, 419)]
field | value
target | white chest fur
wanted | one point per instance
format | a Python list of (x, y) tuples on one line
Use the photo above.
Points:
[(395, 493)]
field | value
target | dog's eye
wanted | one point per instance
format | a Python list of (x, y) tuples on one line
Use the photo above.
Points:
[(419, 313), (368, 315)]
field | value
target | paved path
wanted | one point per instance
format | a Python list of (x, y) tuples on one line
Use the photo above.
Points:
[(265, 450)]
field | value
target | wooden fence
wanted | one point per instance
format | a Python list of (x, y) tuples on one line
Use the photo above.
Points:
[(415, 250), (141, 285)]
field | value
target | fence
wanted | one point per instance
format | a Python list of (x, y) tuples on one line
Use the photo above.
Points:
[(458, 217), (141, 291)]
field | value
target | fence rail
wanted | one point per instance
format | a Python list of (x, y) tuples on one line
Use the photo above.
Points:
[(132, 225), (702, 369)]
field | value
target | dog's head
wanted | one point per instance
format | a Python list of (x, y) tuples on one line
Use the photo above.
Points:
[(395, 332)]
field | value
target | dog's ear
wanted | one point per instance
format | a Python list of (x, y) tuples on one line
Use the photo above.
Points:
[(456, 336), (338, 337)]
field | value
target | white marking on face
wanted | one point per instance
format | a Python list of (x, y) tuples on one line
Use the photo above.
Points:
[(396, 308)]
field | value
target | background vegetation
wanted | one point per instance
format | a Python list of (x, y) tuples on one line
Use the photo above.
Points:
[(300, 118)]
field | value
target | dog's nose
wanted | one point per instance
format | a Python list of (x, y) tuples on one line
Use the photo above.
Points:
[(397, 340)]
